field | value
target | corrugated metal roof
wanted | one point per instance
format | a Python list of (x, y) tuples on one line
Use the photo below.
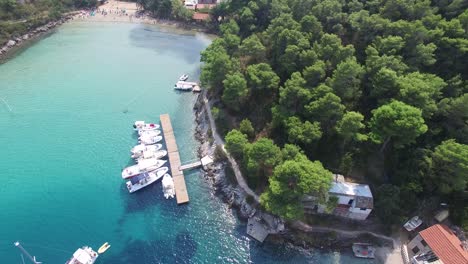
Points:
[(445, 244)]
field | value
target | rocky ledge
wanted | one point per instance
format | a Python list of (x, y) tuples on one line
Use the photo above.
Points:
[(17, 42)]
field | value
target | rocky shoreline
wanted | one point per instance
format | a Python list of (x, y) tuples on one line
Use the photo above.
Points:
[(245, 208), (15, 44)]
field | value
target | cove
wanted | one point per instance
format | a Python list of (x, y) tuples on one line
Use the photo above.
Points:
[(73, 98)]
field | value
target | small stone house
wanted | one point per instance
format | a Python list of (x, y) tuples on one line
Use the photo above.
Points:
[(437, 245), (354, 200)]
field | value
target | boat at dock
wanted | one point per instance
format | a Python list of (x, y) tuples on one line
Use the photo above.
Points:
[(84, 255), (168, 186), (141, 125), (143, 166), (139, 149), (183, 77), (104, 248), (152, 154), (142, 180), (149, 140), (363, 250), (143, 133)]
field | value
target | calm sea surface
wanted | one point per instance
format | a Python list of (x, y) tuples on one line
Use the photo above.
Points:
[(74, 97)]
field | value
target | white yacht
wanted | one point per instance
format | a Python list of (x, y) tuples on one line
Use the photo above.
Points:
[(184, 86), (149, 140), (142, 133), (142, 180), (151, 154), (184, 77), (143, 166), (139, 149), (84, 255), (168, 186), (141, 125)]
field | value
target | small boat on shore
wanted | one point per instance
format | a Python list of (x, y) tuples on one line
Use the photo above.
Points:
[(139, 149), (84, 255), (184, 77), (141, 125), (149, 133), (149, 140), (103, 248), (143, 166), (168, 186), (142, 180), (152, 154), (363, 250), (185, 86)]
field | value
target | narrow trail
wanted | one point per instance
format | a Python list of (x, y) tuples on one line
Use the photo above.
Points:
[(393, 257)]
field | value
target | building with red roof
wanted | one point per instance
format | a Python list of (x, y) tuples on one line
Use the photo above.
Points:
[(437, 244)]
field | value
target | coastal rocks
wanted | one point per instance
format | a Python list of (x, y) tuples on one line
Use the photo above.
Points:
[(11, 43), (17, 41)]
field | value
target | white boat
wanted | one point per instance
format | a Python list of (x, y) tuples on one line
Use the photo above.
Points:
[(149, 140), (141, 125), (413, 223), (141, 148), (143, 133), (84, 255), (142, 180), (363, 250), (152, 154), (168, 186), (184, 86), (143, 166), (184, 77)]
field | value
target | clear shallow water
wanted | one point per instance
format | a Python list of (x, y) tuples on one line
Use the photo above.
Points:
[(74, 96)]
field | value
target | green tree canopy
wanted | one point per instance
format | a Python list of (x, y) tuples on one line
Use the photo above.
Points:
[(262, 77), (302, 132), (350, 126), (450, 165), (246, 128), (290, 182), (235, 91), (263, 156), (236, 142), (398, 122)]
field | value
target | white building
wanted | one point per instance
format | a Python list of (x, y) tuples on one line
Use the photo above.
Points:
[(355, 201)]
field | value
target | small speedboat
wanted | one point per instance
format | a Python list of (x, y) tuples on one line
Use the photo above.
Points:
[(363, 250), (149, 133), (84, 255), (149, 140), (168, 186), (141, 125), (184, 77), (141, 148), (143, 166), (103, 248), (184, 86), (152, 154), (142, 180)]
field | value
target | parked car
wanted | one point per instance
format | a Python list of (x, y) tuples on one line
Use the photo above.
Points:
[(413, 223)]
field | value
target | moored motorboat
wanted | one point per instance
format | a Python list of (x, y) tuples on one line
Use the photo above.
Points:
[(139, 149), (149, 140), (141, 125), (142, 180), (103, 248), (152, 154), (184, 77), (143, 166), (84, 255), (363, 250), (184, 86), (168, 186), (149, 133)]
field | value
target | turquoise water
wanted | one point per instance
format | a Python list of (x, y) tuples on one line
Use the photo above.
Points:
[(74, 97)]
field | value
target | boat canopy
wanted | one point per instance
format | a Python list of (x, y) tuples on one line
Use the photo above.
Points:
[(146, 163), (139, 148), (138, 178)]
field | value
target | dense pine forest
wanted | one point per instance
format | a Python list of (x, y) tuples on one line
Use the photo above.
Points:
[(375, 90)]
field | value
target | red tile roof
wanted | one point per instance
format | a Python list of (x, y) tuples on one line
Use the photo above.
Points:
[(200, 16), (445, 244)]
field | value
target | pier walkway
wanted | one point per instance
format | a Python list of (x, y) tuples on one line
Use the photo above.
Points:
[(174, 160)]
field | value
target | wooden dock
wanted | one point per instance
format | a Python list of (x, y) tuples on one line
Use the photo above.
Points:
[(174, 160)]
